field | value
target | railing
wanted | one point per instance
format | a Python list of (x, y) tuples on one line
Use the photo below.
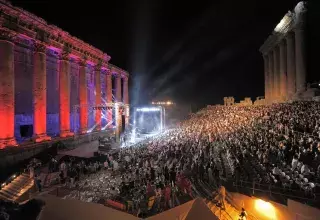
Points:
[(274, 193)]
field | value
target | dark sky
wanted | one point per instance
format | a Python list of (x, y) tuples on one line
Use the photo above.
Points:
[(188, 51)]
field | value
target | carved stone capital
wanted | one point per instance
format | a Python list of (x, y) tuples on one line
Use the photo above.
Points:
[(6, 34), (82, 62), (125, 78), (64, 55), (108, 72), (39, 47), (97, 68)]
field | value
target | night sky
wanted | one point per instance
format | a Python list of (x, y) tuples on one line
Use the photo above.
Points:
[(186, 51)]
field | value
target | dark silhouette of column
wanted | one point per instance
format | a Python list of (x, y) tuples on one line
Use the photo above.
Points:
[(271, 81), (266, 78), (276, 75), (291, 68), (283, 72)]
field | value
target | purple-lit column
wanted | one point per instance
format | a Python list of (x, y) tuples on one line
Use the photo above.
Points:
[(98, 96), (7, 88), (40, 93), (109, 96)]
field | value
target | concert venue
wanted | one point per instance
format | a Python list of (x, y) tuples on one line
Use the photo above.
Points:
[(210, 111)]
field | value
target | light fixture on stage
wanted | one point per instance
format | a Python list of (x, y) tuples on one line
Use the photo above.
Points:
[(146, 109)]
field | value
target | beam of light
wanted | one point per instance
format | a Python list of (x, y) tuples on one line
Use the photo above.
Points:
[(91, 129)]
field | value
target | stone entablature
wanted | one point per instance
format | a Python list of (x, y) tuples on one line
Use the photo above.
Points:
[(292, 20)]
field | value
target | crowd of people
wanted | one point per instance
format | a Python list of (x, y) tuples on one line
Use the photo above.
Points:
[(278, 145)]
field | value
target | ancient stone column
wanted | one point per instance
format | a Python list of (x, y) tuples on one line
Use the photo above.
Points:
[(64, 94), (276, 75), (300, 46), (7, 88), (125, 91), (40, 93), (301, 76), (271, 82), (291, 69), (283, 71), (97, 76), (118, 88), (83, 97), (266, 78), (109, 96), (126, 100)]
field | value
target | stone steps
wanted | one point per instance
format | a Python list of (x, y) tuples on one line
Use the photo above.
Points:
[(16, 188)]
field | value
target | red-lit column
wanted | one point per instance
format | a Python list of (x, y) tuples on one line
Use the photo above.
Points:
[(109, 96), (40, 93), (64, 93), (6, 88), (83, 97), (98, 96), (126, 100)]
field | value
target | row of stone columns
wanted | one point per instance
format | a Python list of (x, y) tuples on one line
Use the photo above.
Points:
[(285, 69), (39, 92)]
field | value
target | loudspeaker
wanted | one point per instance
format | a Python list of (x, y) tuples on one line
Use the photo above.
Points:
[(26, 130)]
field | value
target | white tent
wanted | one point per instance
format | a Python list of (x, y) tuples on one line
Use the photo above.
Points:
[(192, 210)]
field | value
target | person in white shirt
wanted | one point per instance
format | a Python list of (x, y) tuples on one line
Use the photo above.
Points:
[(276, 171), (115, 165), (294, 163), (305, 170)]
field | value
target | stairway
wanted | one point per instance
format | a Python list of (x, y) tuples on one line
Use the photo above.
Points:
[(229, 213), (16, 188)]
